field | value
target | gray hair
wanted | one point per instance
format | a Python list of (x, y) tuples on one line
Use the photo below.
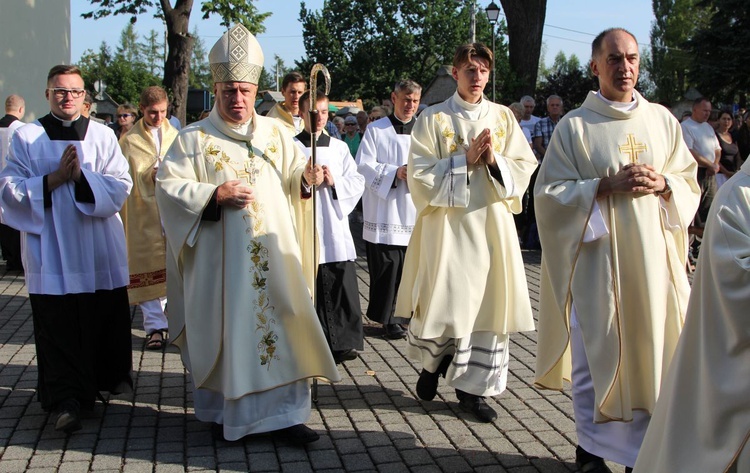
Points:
[(555, 97), (407, 85), (528, 98)]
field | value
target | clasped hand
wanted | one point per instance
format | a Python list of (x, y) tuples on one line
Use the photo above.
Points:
[(70, 165), (636, 178), (480, 149)]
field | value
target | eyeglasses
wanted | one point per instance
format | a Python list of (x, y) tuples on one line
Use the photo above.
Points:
[(60, 92), (351, 124), (124, 115)]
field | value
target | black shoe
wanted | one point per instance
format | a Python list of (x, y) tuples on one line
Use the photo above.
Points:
[(123, 387), (476, 405), (590, 463), (299, 434), (628, 469), (68, 416), (428, 382), (394, 331), (340, 356)]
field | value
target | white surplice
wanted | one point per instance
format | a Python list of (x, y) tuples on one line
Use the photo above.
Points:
[(72, 246), (387, 208)]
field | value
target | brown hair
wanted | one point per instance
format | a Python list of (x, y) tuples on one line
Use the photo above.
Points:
[(305, 99), (128, 108), (63, 69), (466, 52), (291, 78), (152, 95)]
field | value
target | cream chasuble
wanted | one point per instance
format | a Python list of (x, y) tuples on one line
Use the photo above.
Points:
[(465, 217), (629, 286), (239, 305), (280, 112), (702, 419), (140, 216)]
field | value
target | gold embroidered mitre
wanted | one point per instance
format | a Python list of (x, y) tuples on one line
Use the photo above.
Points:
[(236, 57)]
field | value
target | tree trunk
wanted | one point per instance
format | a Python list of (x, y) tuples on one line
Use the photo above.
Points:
[(180, 43), (525, 20)]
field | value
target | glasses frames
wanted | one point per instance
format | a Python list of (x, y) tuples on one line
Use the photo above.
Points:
[(60, 92), (124, 115)]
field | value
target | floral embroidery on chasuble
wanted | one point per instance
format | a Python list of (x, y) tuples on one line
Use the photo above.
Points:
[(454, 141), (248, 168)]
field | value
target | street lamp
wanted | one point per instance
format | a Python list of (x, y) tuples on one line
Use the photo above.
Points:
[(493, 13)]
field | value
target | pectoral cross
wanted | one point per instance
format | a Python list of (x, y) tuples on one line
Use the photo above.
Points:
[(245, 173), (633, 149)]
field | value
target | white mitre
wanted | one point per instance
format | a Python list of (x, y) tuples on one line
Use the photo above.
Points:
[(236, 57)]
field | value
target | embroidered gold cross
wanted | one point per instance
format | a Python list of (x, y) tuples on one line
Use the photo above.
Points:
[(632, 149), (245, 173)]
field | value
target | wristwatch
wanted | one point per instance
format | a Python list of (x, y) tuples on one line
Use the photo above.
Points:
[(667, 188)]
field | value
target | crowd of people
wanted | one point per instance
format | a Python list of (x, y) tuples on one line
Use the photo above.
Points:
[(237, 247)]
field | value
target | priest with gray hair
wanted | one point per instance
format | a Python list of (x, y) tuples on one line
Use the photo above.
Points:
[(233, 193)]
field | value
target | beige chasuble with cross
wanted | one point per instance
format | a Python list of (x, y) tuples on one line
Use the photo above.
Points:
[(629, 287)]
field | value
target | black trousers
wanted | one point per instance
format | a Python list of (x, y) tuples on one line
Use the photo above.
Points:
[(83, 345), (385, 264), (10, 245), (337, 301)]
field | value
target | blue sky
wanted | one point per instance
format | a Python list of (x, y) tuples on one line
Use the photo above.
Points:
[(570, 26)]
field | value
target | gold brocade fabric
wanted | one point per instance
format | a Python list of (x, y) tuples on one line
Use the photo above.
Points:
[(140, 215)]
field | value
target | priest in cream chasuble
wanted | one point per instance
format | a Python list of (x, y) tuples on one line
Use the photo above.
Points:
[(614, 197), (702, 419), (230, 193)]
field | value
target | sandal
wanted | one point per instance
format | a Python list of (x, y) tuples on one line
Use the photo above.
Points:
[(153, 343)]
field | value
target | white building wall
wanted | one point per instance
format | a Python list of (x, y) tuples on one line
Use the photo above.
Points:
[(34, 37)]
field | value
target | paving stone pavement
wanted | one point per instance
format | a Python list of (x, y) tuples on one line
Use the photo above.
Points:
[(370, 421)]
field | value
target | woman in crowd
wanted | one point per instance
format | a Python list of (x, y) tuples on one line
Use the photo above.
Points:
[(730, 160), (742, 137), (126, 115)]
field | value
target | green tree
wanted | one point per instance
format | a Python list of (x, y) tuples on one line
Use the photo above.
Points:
[(369, 45), (675, 23), (94, 65), (129, 49), (200, 71), (153, 53), (125, 73), (568, 79), (176, 14), (719, 47)]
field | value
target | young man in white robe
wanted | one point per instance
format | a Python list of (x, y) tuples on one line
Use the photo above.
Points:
[(235, 203), (614, 197), (388, 211), (144, 146), (464, 282), (336, 290), (702, 418), (63, 185)]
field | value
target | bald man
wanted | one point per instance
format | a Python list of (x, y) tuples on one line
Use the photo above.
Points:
[(10, 238)]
